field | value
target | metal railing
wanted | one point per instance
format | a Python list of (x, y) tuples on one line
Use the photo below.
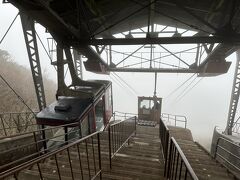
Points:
[(228, 152), (122, 115), (174, 120), (38, 145), (12, 123), (236, 128), (84, 163), (176, 165), (169, 119), (164, 137), (119, 133)]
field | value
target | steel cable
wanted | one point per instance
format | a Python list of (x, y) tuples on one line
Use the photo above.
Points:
[(9, 28), (18, 96)]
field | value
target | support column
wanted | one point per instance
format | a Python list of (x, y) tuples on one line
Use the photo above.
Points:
[(33, 55), (234, 96)]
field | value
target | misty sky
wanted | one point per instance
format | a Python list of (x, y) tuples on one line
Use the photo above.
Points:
[(205, 106)]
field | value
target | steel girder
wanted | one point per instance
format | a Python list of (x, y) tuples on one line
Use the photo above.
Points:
[(154, 70), (234, 96), (33, 55), (70, 35), (161, 40), (78, 63)]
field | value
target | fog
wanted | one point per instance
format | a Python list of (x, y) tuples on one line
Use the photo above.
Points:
[(205, 106)]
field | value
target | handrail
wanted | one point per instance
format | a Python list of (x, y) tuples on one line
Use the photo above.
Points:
[(23, 112), (129, 113), (226, 159), (176, 118), (173, 154), (176, 157), (123, 115), (34, 148), (119, 134), (42, 129), (36, 161), (164, 137), (165, 117)]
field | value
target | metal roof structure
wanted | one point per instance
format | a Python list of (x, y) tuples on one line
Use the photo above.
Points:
[(89, 23), (203, 33)]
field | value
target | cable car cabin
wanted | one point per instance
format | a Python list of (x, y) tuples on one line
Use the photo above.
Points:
[(149, 110), (91, 114)]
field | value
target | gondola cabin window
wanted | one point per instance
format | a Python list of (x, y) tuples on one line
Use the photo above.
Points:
[(88, 125), (91, 120), (108, 104), (146, 106), (149, 108), (85, 126), (99, 111)]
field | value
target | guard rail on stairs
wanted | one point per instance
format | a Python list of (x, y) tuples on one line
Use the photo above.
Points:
[(228, 153), (119, 134), (87, 149), (83, 146), (174, 120), (176, 164), (29, 145)]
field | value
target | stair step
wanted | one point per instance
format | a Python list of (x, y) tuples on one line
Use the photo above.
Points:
[(63, 160), (140, 159), (34, 175)]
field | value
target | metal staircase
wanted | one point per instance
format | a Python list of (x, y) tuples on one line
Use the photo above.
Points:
[(201, 162), (124, 151)]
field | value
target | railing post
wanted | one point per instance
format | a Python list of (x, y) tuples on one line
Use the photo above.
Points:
[(99, 155), (36, 143), (44, 138), (175, 120), (66, 134), (168, 167), (3, 125), (80, 129), (166, 144), (135, 125), (215, 153), (110, 148)]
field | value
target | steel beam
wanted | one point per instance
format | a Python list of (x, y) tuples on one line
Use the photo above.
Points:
[(160, 40), (154, 70), (234, 96), (32, 50), (78, 63), (218, 54)]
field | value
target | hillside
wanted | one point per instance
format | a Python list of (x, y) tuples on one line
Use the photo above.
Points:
[(20, 78)]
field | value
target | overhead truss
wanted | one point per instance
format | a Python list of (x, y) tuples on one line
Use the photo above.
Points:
[(124, 36)]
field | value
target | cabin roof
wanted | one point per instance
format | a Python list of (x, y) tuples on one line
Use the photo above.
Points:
[(63, 111)]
